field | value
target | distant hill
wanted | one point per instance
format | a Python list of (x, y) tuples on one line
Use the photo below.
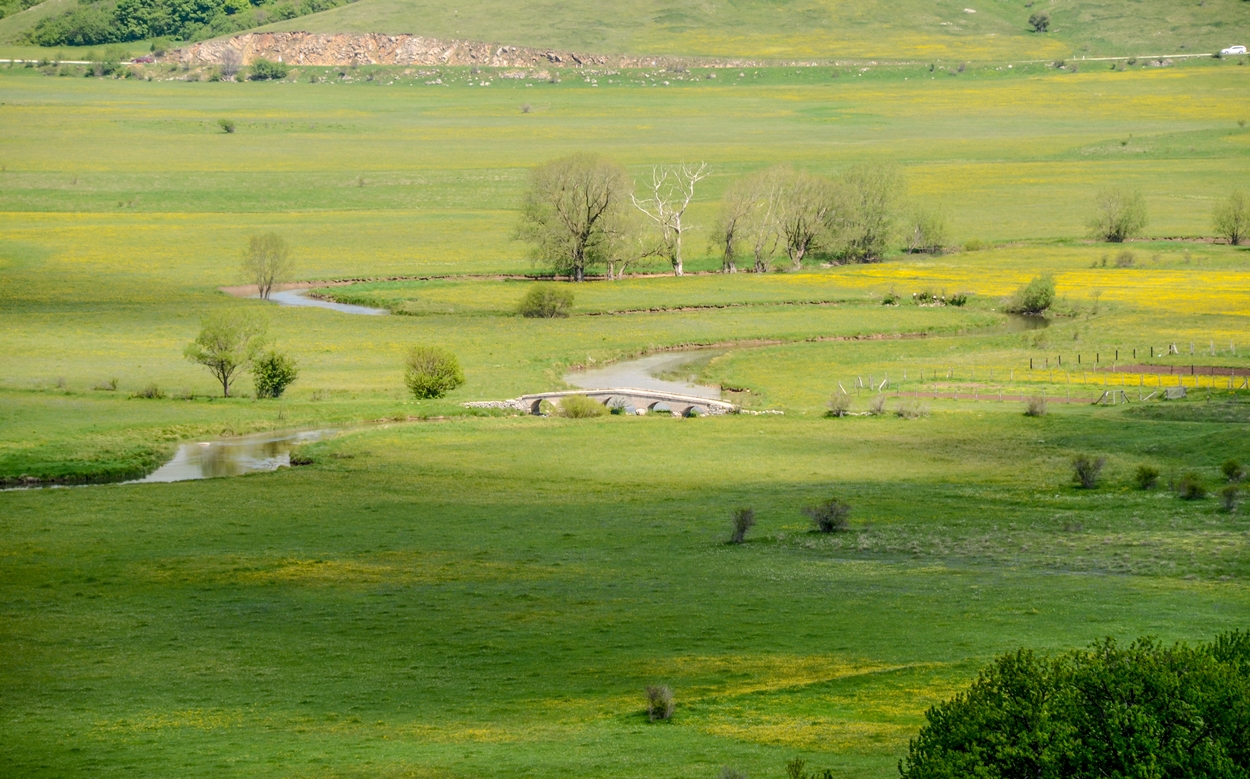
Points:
[(774, 29)]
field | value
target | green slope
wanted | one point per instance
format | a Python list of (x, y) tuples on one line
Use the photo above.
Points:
[(810, 28)]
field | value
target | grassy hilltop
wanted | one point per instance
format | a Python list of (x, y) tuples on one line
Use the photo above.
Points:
[(460, 594)]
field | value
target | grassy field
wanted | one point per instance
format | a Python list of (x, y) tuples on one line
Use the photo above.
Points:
[(454, 594)]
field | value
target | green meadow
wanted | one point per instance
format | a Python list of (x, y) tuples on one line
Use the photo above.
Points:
[(447, 592)]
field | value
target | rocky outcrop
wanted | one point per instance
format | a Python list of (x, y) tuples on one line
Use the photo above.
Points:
[(306, 48)]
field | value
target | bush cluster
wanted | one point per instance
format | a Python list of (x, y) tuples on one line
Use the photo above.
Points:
[(546, 301), (432, 372), (1033, 298), (1139, 710), (830, 516), (581, 407)]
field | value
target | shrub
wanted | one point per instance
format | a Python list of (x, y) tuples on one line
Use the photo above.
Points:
[(1191, 487), (1033, 298), (106, 386), (1040, 22), (891, 298), (1145, 709), (581, 407), (1035, 406), (839, 404), (546, 301), (876, 406), (227, 125), (831, 516), (1228, 497), (660, 704), (743, 520), (1232, 470), (273, 373), (150, 392), (1118, 214), (431, 372), (976, 245), (1125, 259), (1086, 470), (264, 70), (958, 300), (912, 409), (1146, 478)]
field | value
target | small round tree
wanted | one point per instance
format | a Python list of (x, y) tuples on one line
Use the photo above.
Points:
[(545, 301), (1232, 218), (1033, 298), (431, 372), (1119, 214), (273, 373), (1040, 22)]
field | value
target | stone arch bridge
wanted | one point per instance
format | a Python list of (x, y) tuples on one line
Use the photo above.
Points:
[(640, 400)]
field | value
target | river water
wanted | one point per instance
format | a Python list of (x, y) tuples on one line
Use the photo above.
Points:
[(232, 456), (644, 373), (299, 297)]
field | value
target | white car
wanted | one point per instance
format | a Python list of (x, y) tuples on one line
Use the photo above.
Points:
[(1233, 50)]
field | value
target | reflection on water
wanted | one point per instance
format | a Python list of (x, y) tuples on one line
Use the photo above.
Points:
[(233, 456), (642, 373), (1018, 323), (299, 297)]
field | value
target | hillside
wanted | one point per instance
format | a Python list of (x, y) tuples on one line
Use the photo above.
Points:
[(888, 29), (800, 29)]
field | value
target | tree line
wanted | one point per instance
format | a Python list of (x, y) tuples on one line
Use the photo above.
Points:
[(581, 213)]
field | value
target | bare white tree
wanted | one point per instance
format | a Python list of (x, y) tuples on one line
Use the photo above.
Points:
[(671, 190), (231, 61)]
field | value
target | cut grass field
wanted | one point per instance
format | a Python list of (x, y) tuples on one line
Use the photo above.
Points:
[(456, 595)]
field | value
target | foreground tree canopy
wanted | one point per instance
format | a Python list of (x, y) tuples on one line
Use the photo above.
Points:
[(1143, 710)]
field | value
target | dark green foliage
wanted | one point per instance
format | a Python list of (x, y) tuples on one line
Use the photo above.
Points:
[(1109, 711), (1229, 495), (93, 23), (1146, 477), (743, 520), (432, 372), (273, 373), (264, 70), (831, 516), (1033, 298), (1086, 470), (1191, 487), (10, 7), (660, 703), (1040, 22), (546, 301), (227, 125), (1232, 470)]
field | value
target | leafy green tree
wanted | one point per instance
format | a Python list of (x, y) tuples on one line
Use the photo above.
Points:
[(870, 220), (1232, 218), (1118, 214), (273, 373), (267, 259), (1143, 710), (1033, 298), (228, 343), (1040, 22), (431, 372), (574, 212)]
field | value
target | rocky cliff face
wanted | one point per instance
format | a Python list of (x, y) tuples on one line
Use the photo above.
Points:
[(305, 48)]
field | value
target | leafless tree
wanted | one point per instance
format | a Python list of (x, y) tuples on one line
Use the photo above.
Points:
[(574, 213), (671, 190), (231, 61), (266, 262)]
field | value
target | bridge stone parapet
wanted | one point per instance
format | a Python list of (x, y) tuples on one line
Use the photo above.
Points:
[(633, 399)]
